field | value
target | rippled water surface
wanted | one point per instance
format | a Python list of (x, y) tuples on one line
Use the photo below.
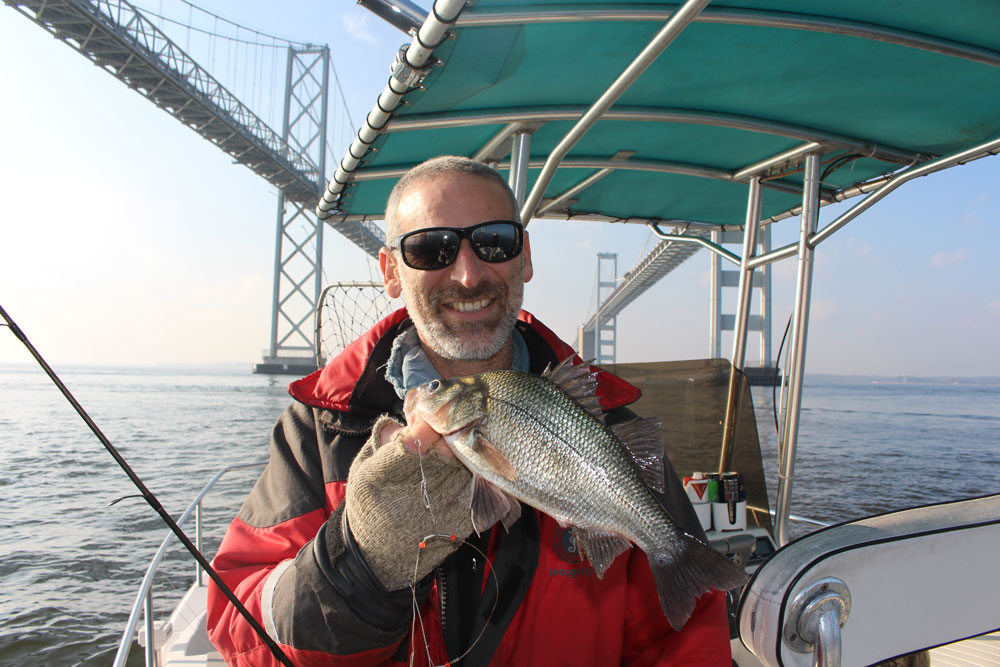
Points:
[(70, 562)]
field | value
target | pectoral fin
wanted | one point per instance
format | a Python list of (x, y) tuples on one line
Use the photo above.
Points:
[(600, 548), (490, 504), (494, 459)]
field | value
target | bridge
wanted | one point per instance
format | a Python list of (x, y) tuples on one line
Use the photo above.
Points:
[(129, 45), (132, 45)]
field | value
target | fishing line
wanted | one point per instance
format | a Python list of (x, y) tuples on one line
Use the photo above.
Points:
[(423, 485), (146, 493), (416, 605), (417, 618)]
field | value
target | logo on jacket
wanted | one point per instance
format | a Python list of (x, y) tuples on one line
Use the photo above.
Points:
[(568, 551), (564, 543)]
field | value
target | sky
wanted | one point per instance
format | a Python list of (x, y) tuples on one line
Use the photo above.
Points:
[(126, 238)]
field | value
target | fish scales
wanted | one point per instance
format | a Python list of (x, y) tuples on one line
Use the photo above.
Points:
[(555, 446), (533, 439)]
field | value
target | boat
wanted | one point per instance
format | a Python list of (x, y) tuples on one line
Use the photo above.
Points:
[(701, 116)]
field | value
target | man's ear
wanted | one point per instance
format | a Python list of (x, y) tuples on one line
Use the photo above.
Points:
[(526, 258), (390, 273)]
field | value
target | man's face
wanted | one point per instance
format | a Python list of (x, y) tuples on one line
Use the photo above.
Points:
[(465, 311)]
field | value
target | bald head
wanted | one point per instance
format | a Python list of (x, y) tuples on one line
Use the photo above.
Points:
[(445, 164)]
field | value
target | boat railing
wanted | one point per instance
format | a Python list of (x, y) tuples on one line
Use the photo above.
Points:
[(812, 522), (792, 517), (144, 598)]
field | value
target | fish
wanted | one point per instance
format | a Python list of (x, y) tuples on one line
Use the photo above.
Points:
[(543, 440)]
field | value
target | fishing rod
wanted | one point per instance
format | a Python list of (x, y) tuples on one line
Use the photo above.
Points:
[(147, 494)]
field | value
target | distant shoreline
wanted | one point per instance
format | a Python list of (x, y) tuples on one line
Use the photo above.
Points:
[(234, 366), (979, 381)]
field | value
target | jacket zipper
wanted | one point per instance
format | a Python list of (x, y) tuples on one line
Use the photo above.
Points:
[(442, 598)]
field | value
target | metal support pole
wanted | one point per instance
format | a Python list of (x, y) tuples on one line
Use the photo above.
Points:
[(765, 298), (742, 320), (797, 354), (746, 273), (409, 70), (715, 300), (663, 38), (519, 153), (197, 543), (705, 243), (150, 629)]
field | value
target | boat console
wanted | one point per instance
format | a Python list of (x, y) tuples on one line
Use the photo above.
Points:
[(880, 587)]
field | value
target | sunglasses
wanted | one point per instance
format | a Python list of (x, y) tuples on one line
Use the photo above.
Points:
[(435, 248)]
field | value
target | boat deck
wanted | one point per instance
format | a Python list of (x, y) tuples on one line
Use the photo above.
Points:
[(982, 651), (184, 642)]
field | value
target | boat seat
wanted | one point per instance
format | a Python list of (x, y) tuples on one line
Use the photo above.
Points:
[(915, 579)]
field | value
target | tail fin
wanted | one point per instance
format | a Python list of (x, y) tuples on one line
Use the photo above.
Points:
[(696, 569)]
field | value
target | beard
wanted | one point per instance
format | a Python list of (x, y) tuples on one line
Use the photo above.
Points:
[(465, 341)]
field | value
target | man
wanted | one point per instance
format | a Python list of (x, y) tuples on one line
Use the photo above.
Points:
[(342, 521)]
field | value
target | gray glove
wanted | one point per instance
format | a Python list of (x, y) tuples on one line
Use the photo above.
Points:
[(387, 511)]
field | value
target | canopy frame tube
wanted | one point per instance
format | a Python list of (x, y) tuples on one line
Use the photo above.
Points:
[(614, 163), (663, 38), (746, 17), (788, 437), (742, 320), (714, 247), (519, 154), (543, 114), (408, 71)]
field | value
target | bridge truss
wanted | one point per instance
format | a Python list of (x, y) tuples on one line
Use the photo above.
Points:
[(117, 37)]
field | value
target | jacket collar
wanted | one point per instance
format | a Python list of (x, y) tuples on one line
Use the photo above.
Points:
[(354, 381)]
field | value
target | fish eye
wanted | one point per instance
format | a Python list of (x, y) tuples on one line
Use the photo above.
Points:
[(434, 385)]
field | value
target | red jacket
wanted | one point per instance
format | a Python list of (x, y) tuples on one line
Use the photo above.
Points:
[(292, 563)]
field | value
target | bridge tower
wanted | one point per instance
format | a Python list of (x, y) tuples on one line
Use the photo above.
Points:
[(760, 322), (298, 249), (599, 341)]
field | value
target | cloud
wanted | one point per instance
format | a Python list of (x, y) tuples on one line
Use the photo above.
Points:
[(359, 27), (941, 260), (994, 306), (973, 219)]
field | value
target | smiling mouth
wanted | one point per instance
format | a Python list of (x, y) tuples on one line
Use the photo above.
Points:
[(470, 306)]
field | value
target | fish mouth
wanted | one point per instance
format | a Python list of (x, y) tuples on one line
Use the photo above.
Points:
[(436, 419)]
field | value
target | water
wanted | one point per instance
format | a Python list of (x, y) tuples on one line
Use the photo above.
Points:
[(70, 563)]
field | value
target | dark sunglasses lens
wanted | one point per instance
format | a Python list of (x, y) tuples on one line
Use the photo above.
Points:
[(434, 249), (497, 242)]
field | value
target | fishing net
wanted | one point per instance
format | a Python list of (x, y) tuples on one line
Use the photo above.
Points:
[(346, 310)]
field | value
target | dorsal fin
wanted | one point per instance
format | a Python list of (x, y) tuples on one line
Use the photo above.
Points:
[(641, 438), (579, 382)]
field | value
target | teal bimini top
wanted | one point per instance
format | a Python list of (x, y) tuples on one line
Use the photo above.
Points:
[(874, 87)]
